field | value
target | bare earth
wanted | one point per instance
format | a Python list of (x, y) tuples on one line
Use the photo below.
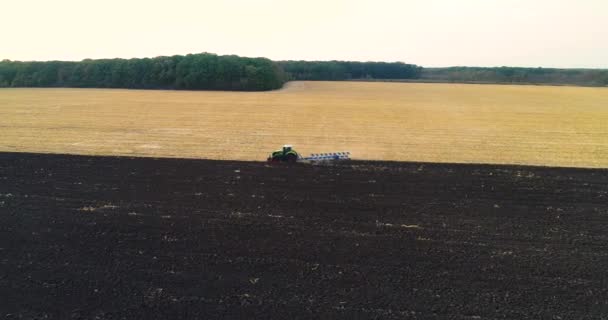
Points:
[(538, 125), (117, 238)]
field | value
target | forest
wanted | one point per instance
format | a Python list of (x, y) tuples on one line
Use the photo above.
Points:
[(191, 72)]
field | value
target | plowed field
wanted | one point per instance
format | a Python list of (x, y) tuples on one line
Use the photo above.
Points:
[(142, 238)]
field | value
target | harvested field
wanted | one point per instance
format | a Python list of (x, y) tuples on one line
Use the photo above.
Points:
[(142, 238), (557, 126)]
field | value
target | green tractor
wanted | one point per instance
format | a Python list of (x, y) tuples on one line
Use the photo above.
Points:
[(287, 154)]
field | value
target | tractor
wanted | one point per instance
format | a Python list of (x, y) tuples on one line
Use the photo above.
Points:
[(287, 154)]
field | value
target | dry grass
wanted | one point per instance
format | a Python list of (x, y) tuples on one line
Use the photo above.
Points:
[(565, 126)]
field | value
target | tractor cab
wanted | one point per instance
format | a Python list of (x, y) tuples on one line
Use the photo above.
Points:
[(286, 154)]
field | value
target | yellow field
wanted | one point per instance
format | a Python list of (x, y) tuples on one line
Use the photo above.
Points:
[(564, 126)]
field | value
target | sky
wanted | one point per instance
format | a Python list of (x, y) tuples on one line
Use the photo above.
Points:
[(431, 33)]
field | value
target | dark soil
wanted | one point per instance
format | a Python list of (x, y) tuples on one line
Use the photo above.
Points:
[(127, 238)]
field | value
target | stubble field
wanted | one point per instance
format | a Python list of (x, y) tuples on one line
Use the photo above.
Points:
[(538, 125)]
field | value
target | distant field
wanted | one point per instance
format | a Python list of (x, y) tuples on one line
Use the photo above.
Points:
[(563, 126)]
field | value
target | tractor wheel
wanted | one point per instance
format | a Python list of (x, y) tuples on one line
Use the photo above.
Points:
[(291, 158)]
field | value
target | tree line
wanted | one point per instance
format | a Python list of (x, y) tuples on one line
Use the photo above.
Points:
[(583, 77), (208, 71), (348, 70)]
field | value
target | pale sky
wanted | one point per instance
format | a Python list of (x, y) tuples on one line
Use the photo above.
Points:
[(548, 33)]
